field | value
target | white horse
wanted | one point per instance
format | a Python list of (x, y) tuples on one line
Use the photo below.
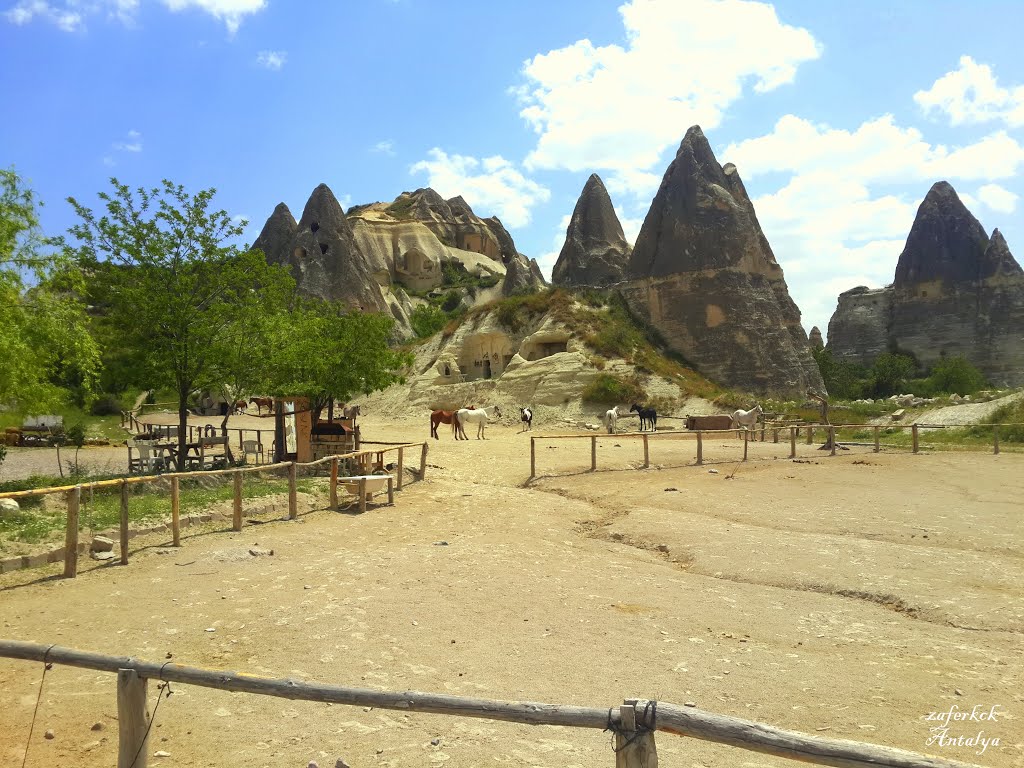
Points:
[(746, 419), (610, 419), (480, 417), (526, 416)]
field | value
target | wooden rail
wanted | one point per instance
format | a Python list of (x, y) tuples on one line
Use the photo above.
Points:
[(751, 435), (74, 494), (636, 717)]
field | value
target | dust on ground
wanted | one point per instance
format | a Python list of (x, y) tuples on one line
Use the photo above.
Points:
[(847, 597)]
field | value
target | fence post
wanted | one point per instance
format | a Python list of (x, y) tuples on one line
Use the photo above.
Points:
[(775, 434), (132, 720), (832, 438), (593, 454), (746, 440), (810, 435), (913, 434), (293, 500), (334, 482), (423, 462), (533, 457), (175, 512), (362, 494), (995, 438), (647, 456), (391, 490), (124, 522), (401, 466), (700, 448), (71, 534), (792, 442), (236, 511), (877, 430), (632, 749), (762, 432)]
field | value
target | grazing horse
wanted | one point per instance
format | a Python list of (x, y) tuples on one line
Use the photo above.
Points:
[(443, 417), (746, 419), (611, 418), (526, 416), (479, 417), (240, 406), (351, 411), (648, 417), (261, 403)]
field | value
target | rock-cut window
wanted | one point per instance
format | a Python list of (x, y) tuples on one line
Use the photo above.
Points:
[(323, 248), (314, 227)]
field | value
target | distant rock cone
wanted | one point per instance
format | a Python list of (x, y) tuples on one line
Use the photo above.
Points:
[(523, 276), (321, 253), (814, 338), (595, 250), (703, 274), (956, 292)]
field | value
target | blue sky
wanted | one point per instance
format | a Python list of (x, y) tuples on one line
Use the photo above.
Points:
[(839, 116)]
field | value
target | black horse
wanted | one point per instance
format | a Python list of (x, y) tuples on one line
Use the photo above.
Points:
[(648, 417)]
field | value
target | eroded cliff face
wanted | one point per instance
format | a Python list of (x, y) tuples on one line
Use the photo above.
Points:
[(595, 250), (957, 292), (703, 274)]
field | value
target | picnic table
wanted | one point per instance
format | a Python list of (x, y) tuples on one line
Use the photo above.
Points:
[(159, 455)]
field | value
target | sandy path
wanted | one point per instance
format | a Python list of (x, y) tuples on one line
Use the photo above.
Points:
[(739, 595)]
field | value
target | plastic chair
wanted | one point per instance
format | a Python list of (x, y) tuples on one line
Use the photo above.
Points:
[(254, 448)]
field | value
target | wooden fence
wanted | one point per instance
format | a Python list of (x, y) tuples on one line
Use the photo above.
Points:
[(751, 436), (634, 722), (74, 493)]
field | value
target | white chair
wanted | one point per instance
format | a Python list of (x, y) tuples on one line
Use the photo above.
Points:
[(253, 448)]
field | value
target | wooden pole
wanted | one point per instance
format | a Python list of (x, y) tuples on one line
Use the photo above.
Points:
[(362, 494), (533, 457), (775, 435), (236, 511), (593, 454), (671, 718), (401, 467), (792, 442), (913, 434), (647, 455), (175, 512), (391, 490), (124, 523), (877, 431), (71, 534), (762, 432), (700, 448), (810, 435), (293, 499), (632, 749), (132, 720), (995, 439), (423, 462), (832, 438), (746, 440), (334, 483)]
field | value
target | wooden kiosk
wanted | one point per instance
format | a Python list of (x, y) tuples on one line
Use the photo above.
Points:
[(296, 438)]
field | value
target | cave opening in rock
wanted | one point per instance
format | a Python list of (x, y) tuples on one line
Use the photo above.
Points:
[(314, 226), (323, 248)]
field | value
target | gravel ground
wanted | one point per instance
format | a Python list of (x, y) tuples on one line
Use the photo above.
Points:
[(968, 413)]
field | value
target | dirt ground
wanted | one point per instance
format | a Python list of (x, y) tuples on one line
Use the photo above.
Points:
[(847, 597)]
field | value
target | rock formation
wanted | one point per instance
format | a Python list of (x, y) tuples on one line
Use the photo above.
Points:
[(702, 273), (814, 338), (523, 276), (321, 253), (595, 250), (957, 291)]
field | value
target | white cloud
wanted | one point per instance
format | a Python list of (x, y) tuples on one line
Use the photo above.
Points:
[(998, 198), (134, 143), (386, 147), (619, 108), (488, 184), (65, 18), (231, 12), (272, 59), (971, 94)]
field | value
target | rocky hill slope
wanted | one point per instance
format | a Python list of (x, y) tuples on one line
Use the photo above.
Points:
[(956, 291)]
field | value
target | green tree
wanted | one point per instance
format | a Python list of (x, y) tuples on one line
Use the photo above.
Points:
[(44, 334), (426, 320), (890, 373), (171, 283), (955, 375), (323, 352)]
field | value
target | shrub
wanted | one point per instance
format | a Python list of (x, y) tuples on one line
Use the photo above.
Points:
[(955, 375), (611, 389), (426, 320), (106, 405)]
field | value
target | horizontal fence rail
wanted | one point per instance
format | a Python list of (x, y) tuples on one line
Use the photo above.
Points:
[(646, 715), (74, 492)]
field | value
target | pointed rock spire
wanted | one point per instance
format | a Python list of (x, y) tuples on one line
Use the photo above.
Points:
[(814, 338), (703, 273), (998, 259), (276, 235), (595, 250)]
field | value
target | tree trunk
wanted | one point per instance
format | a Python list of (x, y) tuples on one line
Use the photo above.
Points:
[(182, 427), (823, 402)]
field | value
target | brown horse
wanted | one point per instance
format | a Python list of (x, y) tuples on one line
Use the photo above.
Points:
[(261, 403), (442, 417)]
